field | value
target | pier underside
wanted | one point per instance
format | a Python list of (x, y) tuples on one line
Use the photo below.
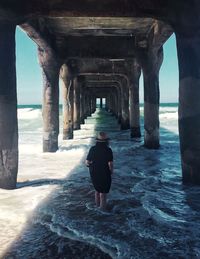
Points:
[(97, 49)]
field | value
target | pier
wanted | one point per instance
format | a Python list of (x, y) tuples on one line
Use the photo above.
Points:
[(97, 50)]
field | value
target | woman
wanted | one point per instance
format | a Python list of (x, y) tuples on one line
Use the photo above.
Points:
[(100, 163)]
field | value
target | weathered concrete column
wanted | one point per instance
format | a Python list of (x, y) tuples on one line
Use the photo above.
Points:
[(85, 103), (76, 113), (151, 63), (88, 103), (119, 104), (112, 99), (101, 103), (82, 106), (125, 105), (93, 104), (107, 103), (85, 107), (68, 97), (115, 103), (50, 108), (8, 108), (134, 101), (189, 104)]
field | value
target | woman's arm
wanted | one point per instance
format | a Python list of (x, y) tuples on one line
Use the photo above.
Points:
[(89, 158), (110, 164)]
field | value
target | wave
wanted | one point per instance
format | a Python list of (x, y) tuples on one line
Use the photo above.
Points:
[(169, 115), (28, 113)]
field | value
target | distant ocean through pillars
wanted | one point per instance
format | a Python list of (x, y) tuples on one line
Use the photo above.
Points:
[(52, 214)]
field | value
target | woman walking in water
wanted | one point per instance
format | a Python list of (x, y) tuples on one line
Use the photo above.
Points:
[(100, 163)]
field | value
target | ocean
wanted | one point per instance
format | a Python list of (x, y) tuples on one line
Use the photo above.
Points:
[(52, 214)]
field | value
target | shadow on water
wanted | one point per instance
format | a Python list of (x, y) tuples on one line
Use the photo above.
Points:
[(145, 218)]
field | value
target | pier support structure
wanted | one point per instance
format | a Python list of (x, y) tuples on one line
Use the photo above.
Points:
[(76, 113), (68, 101), (116, 101), (101, 103), (189, 103), (8, 108), (82, 104), (124, 104), (119, 110), (50, 108), (88, 103), (134, 100), (151, 61)]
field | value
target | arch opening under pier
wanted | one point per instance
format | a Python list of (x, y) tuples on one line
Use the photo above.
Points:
[(91, 46)]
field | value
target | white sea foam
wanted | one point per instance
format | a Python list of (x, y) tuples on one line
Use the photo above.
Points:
[(169, 115), (28, 113), (168, 109)]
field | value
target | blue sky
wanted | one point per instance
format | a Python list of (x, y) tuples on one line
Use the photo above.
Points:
[(29, 74)]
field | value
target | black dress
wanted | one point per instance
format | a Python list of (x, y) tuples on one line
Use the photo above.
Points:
[(100, 174)]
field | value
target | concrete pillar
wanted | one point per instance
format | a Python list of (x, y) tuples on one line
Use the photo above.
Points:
[(124, 105), (76, 113), (115, 104), (93, 104), (151, 64), (90, 104), (87, 104), (107, 103), (86, 112), (101, 103), (68, 103), (134, 101), (189, 104), (8, 108), (50, 106), (112, 102), (82, 105), (119, 104)]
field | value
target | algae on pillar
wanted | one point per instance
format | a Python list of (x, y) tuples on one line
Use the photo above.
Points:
[(8, 108), (50, 108)]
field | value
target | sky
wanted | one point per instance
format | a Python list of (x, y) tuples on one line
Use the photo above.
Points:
[(29, 73)]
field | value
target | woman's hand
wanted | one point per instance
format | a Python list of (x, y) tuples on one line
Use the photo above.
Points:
[(88, 163)]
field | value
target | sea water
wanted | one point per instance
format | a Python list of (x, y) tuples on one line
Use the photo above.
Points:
[(52, 214)]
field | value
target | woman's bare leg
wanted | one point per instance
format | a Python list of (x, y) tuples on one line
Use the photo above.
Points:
[(97, 198), (103, 201)]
